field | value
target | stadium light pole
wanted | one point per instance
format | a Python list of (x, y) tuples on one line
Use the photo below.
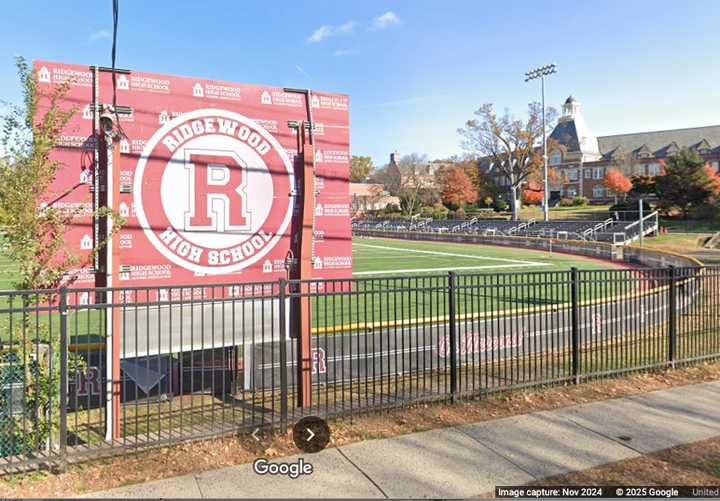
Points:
[(533, 74)]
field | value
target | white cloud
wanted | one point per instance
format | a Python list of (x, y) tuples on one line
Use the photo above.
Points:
[(346, 27), (342, 52), (326, 31), (385, 20), (301, 70), (99, 35), (320, 33)]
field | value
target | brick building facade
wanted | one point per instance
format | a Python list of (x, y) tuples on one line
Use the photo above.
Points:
[(581, 159)]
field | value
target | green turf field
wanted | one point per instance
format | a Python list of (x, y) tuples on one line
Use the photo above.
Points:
[(384, 256), (402, 279)]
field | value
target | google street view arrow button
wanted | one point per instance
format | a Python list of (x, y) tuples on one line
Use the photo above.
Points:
[(254, 434), (311, 434)]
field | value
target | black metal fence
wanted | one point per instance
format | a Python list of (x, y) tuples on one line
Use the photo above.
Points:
[(205, 361)]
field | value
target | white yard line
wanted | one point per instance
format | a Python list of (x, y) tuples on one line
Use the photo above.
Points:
[(451, 254), (449, 268)]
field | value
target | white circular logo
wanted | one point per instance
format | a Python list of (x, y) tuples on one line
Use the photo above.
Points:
[(212, 191)]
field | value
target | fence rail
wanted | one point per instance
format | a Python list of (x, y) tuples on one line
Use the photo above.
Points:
[(205, 361)]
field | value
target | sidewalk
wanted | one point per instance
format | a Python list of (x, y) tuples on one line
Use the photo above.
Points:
[(468, 460)]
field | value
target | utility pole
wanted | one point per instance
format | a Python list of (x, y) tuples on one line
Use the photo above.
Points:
[(642, 229), (541, 73)]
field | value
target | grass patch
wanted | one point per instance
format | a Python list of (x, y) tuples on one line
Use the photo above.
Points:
[(696, 464)]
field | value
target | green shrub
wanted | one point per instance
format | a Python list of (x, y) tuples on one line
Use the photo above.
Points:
[(440, 211), (426, 211), (500, 205), (391, 209), (580, 201)]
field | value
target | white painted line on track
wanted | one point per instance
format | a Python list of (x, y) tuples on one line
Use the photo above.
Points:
[(449, 268)]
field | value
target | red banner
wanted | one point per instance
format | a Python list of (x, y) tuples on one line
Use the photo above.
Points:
[(209, 167)]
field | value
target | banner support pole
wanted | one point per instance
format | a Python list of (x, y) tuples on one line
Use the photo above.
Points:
[(305, 246)]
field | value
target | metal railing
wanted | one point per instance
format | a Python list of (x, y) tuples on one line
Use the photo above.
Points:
[(210, 360)]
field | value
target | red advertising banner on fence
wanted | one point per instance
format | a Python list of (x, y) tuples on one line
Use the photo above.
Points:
[(208, 172)]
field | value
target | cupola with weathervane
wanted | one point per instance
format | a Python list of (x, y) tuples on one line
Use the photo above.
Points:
[(574, 135)]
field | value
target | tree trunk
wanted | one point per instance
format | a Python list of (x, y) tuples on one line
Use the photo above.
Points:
[(515, 204)]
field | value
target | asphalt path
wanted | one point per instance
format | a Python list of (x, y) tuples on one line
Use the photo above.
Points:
[(345, 356)]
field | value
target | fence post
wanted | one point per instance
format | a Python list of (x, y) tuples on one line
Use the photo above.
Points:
[(63, 379), (283, 355), (452, 314), (672, 316), (574, 285)]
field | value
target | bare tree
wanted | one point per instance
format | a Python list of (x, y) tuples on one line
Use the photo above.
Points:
[(509, 144), (415, 181), (389, 176)]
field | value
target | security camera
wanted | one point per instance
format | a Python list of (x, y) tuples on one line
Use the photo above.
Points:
[(107, 120)]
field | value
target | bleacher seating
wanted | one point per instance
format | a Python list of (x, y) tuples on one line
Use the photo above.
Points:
[(609, 230)]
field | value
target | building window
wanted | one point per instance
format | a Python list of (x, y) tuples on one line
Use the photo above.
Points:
[(572, 192), (598, 192), (588, 173), (572, 174), (555, 158), (639, 170), (598, 173), (653, 169)]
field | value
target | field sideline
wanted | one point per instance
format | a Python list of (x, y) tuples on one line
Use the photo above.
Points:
[(385, 256), (402, 279)]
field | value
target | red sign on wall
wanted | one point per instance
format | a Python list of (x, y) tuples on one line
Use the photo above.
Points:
[(209, 166)]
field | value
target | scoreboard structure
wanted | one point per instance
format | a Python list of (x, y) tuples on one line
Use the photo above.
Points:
[(207, 176), (213, 181)]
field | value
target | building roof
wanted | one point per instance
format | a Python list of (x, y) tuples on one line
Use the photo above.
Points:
[(566, 134), (660, 143), (574, 134), (366, 189)]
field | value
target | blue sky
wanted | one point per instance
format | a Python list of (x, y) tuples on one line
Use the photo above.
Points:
[(414, 70)]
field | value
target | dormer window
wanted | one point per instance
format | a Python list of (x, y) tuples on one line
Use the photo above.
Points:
[(671, 149), (555, 157), (703, 147), (643, 152)]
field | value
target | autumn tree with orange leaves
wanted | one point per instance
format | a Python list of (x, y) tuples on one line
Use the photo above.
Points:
[(458, 189), (533, 193), (617, 182), (714, 183)]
